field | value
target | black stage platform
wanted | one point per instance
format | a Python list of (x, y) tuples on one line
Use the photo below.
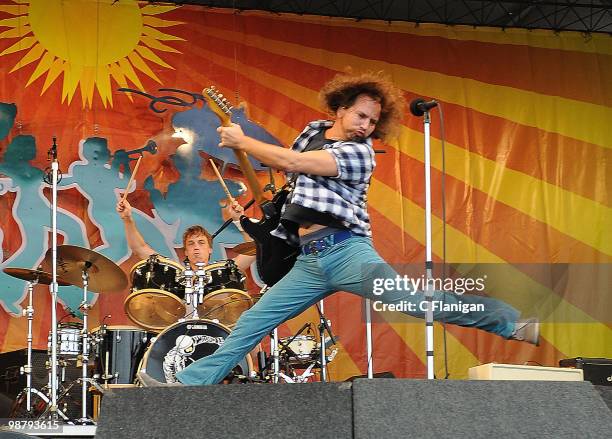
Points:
[(379, 408)]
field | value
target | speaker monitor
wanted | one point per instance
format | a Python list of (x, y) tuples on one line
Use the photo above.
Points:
[(478, 409), (381, 408), (228, 411)]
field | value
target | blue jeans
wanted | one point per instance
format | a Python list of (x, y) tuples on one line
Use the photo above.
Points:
[(350, 265)]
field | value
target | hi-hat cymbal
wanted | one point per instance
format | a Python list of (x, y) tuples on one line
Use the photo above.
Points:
[(104, 275), (246, 248), (38, 276)]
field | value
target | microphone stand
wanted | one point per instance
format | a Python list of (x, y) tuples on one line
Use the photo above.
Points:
[(419, 107), (369, 346), (52, 155)]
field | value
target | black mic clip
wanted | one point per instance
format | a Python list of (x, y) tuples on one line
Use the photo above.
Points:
[(52, 154), (420, 106)]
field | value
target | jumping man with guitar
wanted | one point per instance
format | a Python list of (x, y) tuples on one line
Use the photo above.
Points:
[(325, 217)]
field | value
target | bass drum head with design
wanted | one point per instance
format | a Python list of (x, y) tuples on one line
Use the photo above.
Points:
[(182, 344)]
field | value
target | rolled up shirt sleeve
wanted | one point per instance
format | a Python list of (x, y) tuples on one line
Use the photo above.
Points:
[(355, 161)]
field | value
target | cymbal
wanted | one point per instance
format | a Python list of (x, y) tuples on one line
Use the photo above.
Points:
[(246, 248), (39, 276), (104, 275)]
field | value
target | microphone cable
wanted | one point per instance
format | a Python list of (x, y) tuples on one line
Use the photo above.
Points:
[(443, 195)]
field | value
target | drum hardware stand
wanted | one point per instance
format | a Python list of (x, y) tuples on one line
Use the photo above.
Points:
[(301, 378), (194, 292), (200, 275), (273, 360), (189, 292), (274, 355), (84, 307), (27, 369), (324, 325), (97, 339), (44, 397)]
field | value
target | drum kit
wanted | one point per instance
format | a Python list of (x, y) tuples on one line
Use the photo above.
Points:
[(181, 313)]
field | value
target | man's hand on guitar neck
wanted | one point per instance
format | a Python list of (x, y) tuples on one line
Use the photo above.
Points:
[(231, 136)]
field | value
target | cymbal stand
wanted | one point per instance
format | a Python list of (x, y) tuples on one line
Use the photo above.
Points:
[(84, 307), (27, 369), (275, 355)]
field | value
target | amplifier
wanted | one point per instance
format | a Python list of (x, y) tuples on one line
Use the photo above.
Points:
[(12, 382), (596, 370), (495, 371)]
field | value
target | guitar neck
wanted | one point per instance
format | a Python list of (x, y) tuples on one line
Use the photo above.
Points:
[(248, 171), (222, 109), (250, 175)]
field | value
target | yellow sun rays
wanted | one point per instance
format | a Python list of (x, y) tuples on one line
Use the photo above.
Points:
[(90, 43)]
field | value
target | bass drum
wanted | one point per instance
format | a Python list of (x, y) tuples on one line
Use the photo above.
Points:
[(183, 343)]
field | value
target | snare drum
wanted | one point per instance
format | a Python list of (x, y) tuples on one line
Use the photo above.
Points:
[(302, 349), (69, 340), (183, 343), (157, 298), (118, 352)]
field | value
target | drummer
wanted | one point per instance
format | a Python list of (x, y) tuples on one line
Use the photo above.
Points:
[(197, 242)]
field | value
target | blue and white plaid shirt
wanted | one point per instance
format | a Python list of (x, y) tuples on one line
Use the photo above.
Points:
[(343, 196)]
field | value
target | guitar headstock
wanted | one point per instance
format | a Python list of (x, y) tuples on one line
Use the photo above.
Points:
[(218, 104)]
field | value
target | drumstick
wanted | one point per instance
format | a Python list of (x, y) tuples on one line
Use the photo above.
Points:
[(125, 194), (227, 192)]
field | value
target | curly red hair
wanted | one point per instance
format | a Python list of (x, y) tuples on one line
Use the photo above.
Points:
[(344, 88)]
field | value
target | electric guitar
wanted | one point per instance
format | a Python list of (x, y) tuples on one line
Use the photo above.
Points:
[(274, 256)]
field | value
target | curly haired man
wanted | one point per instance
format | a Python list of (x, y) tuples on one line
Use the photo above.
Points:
[(330, 166)]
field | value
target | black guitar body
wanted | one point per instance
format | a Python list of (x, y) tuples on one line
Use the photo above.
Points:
[(274, 256)]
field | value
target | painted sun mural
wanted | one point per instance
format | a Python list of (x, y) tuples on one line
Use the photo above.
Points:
[(117, 41)]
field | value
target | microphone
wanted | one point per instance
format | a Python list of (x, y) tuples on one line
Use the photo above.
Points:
[(419, 106)]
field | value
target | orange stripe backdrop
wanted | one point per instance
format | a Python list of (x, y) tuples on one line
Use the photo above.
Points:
[(528, 140)]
